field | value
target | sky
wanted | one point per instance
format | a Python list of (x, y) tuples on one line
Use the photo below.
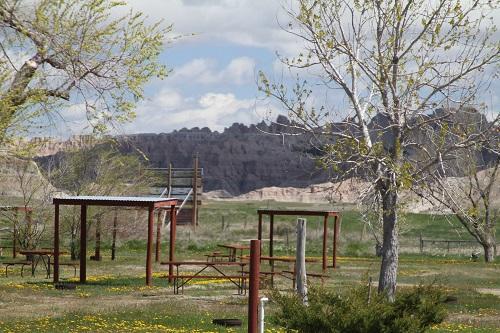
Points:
[(214, 65)]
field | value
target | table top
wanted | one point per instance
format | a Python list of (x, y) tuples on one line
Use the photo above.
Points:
[(234, 246), (41, 252), (205, 263)]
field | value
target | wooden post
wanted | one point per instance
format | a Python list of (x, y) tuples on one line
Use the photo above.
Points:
[(271, 235), (300, 260), (158, 237), (335, 239), (171, 254), (14, 236), (259, 228), (149, 250), (253, 295), (170, 179), (83, 243), (194, 221), (113, 243), (325, 238), (56, 244)]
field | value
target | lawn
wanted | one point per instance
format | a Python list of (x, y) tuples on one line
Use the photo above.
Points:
[(116, 299)]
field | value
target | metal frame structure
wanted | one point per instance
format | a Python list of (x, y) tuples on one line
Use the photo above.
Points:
[(141, 202), (325, 214)]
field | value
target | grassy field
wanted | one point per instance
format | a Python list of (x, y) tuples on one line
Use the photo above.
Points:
[(116, 300)]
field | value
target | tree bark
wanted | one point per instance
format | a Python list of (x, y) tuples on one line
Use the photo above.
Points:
[(390, 245), (490, 248)]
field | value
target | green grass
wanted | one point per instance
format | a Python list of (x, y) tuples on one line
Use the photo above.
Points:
[(115, 299)]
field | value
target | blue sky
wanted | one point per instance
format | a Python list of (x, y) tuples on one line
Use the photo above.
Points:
[(214, 71)]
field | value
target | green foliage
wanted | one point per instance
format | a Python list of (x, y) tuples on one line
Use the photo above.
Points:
[(413, 311), (84, 54)]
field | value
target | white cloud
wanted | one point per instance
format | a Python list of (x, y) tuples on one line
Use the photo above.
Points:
[(168, 110), (242, 22), (238, 71)]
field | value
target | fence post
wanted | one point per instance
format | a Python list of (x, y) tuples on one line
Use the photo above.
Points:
[(253, 294), (300, 263)]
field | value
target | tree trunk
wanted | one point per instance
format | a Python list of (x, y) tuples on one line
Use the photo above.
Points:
[(390, 245), (73, 246), (490, 249)]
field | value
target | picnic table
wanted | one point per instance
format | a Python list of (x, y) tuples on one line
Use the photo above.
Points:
[(180, 280), (285, 273), (233, 248), (43, 255)]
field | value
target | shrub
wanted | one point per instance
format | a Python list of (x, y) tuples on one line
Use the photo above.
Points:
[(414, 310)]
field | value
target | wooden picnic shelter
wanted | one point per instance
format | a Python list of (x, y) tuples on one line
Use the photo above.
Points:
[(326, 216), (151, 203), (28, 211)]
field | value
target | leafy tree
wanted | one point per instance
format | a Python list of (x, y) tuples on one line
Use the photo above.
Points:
[(81, 53), (393, 63)]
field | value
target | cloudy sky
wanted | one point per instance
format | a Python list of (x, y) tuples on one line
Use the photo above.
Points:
[(215, 65)]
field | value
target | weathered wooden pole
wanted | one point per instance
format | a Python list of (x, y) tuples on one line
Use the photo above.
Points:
[(300, 261), (253, 295)]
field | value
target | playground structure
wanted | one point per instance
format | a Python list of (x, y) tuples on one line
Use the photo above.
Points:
[(183, 184)]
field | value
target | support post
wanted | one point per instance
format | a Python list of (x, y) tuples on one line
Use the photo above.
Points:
[(325, 238), (56, 244), (171, 253), (335, 239), (113, 243), (271, 235), (83, 243), (259, 229), (158, 237), (194, 220), (149, 265), (300, 260), (253, 295)]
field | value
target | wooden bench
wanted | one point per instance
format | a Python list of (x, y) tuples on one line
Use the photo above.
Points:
[(72, 264), (13, 263), (181, 280)]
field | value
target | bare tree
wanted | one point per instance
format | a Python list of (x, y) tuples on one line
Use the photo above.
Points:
[(392, 63), (80, 53), (98, 170), (471, 200), (35, 193)]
